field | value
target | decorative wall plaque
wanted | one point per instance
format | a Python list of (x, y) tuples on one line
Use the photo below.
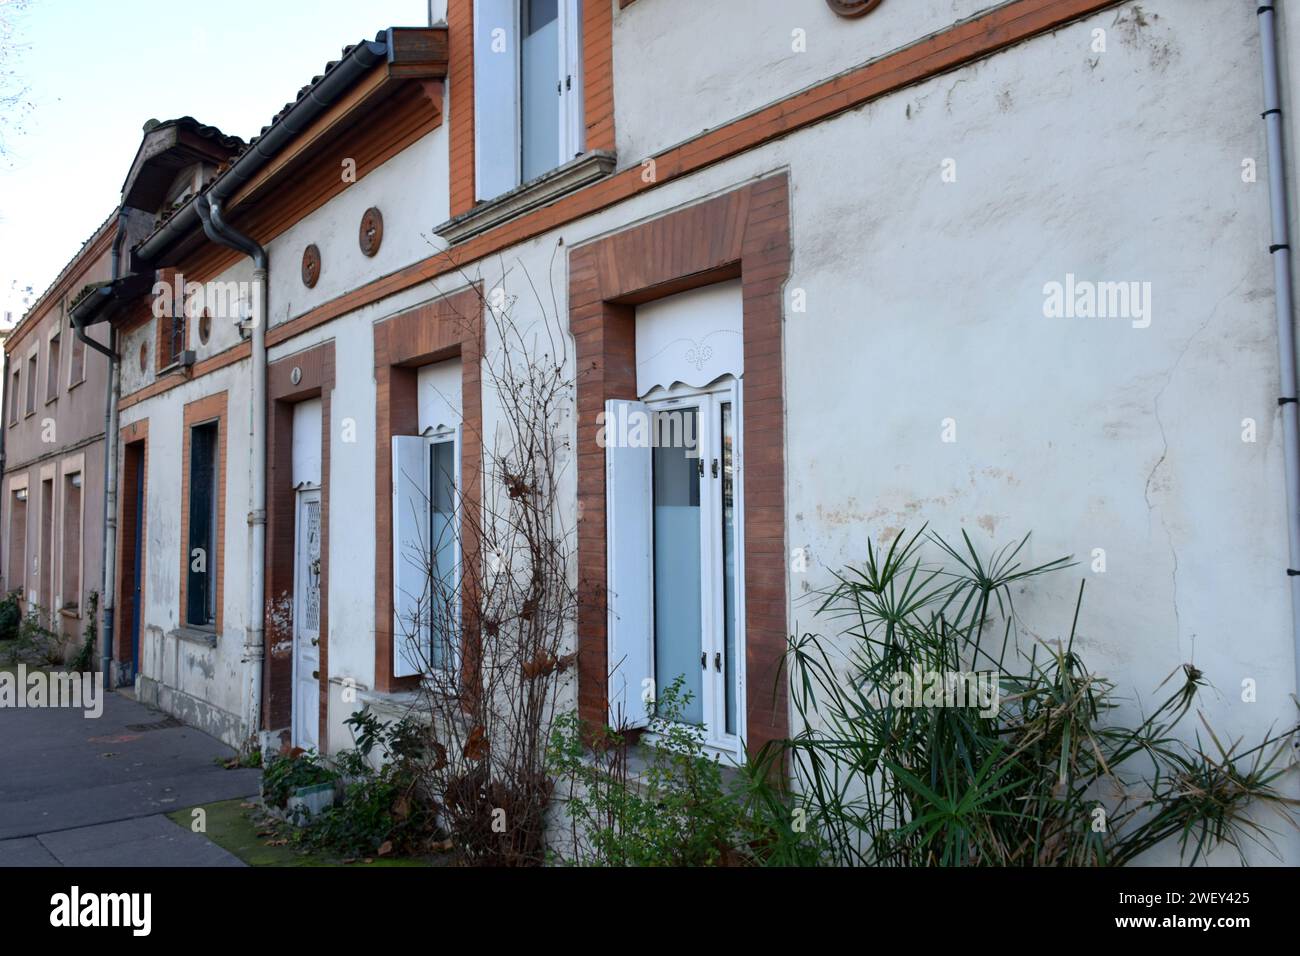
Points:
[(372, 231), (852, 8), (205, 327), (310, 265)]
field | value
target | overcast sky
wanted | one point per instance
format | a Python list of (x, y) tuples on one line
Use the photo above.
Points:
[(95, 70)]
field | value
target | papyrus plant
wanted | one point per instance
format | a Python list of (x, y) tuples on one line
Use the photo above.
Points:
[(1052, 777)]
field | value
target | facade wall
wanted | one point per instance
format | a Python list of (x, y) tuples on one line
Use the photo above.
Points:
[(54, 438), (682, 67), (925, 228)]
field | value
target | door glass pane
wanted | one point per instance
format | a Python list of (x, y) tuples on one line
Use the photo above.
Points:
[(311, 570), (677, 582), (540, 95), (442, 542), (729, 563)]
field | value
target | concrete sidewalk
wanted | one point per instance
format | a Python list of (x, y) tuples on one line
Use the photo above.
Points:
[(80, 792)]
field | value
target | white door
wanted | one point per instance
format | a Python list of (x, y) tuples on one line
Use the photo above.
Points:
[(306, 621), (696, 564)]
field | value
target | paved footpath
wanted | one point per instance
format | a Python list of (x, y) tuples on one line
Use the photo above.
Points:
[(78, 792)]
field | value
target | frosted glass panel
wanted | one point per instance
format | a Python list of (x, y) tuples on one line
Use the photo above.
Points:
[(677, 580), (540, 93)]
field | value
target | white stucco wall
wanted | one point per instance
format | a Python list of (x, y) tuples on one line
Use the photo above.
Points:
[(682, 66), (924, 302), (410, 190)]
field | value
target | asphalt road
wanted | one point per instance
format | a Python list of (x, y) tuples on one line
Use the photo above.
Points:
[(93, 792)]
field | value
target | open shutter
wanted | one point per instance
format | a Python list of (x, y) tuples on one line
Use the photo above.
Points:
[(410, 554), (630, 586), (497, 153), (573, 134)]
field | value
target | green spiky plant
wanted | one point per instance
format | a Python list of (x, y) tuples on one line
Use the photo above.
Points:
[(1047, 778)]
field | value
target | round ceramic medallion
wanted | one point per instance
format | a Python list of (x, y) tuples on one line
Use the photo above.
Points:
[(852, 8), (372, 231), (310, 265)]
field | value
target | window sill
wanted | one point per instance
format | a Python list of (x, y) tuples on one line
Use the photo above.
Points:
[(71, 612), (393, 706), (72, 385), (195, 635), (572, 176), (181, 366)]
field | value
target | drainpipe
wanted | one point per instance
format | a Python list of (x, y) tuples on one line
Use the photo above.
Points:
[(108, 540), (216, 228), (1281, 254)]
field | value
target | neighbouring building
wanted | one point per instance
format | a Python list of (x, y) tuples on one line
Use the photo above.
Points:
[(53, 506), (992, 266)]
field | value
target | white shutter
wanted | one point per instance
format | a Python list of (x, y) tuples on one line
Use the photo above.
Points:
[(410, 554), (573, 132), (630, 585), (496, 97)]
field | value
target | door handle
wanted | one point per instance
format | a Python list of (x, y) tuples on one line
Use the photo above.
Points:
[(316, 674), (315, 642)]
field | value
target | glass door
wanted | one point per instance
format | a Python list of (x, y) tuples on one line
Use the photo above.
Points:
[(697, 557)]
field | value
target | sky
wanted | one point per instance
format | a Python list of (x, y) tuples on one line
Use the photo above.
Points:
[(93, 71)]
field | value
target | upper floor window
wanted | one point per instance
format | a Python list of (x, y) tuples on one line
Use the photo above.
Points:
[(527, 90), (31, 383), (52, 364), (172, 336), (15, 397)]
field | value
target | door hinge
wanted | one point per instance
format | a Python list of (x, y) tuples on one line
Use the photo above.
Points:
[(715, 468), (717, 661), (704, 660), (700, 465)]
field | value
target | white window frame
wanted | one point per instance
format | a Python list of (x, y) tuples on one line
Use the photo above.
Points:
[(447, 676), (709, 401), (438, 677), (498, 166)]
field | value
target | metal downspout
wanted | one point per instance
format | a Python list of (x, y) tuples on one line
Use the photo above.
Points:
[(209, 211), (108, 538), (1281, 254)]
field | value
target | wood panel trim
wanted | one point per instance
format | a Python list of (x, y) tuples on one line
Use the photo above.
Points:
[(404, 119)]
